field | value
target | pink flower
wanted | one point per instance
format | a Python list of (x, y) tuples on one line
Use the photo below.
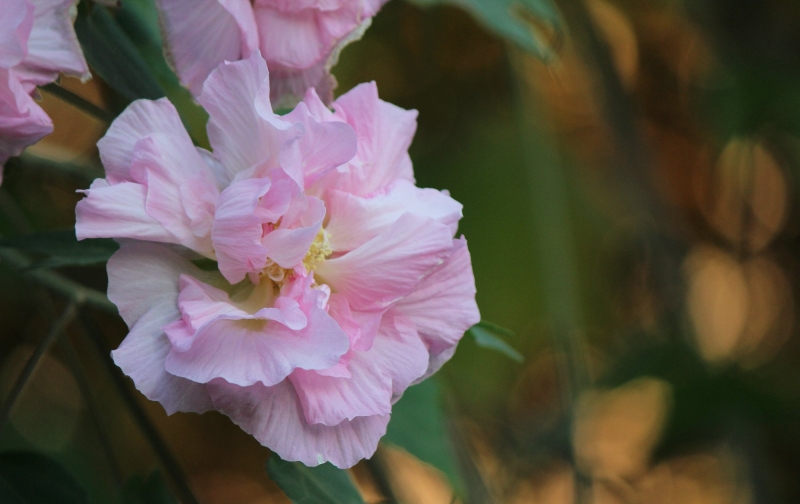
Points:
[(300, 39), (37, 42), (339, 282)]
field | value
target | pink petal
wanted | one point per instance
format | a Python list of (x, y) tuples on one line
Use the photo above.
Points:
[(118, 211), (288, 247), (273, 415), (353, 220), (142, 118), (237, 230), (143, 283), (181, 190), (22, 121), (324, 146), (53, 46), (244, 348), (241, 128), (15, 28), (384, 132), (443, 305), (396, 359), (389, 266), (201, 35)]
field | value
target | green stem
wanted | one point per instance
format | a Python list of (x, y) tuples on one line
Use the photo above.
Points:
[(33, 362), (78, 102), (69, 288)]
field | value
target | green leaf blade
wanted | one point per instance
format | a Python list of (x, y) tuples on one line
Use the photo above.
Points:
[(324, 484), (31, 478)]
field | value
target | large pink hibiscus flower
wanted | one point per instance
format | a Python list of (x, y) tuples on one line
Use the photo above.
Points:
[(338, 282)]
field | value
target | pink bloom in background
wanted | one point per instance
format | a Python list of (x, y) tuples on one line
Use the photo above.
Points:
[(300, 39), (339, 282), (37, 42)]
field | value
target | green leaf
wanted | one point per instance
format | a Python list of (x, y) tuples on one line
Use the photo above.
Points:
[(31, 478), (139, 20), (419, 426), (62, 248), (513, 20), (487, 335), (113, 56), (150, 490), (324, 484)]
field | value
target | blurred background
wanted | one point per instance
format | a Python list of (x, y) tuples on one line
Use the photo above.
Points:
[(629, 174)]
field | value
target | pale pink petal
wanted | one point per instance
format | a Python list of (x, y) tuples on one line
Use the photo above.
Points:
[(244, 348), (384, 132), (241, 128), (181, 190), (143, 283), (316, 107), (389, 266), (324, 146), (201, 35), (273, 415), (353, 220), (118, 211), (142, 118), (22, 121), (53, 46), (237, 230), (443, 306), (15, 28), (396, 359), (288, 247)]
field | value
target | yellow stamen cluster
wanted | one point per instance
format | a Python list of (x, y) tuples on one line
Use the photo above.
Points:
[(319, 251)]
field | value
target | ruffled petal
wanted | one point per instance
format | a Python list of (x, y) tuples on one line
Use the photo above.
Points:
[(142, 118), (389, 266), (396, 359), (118, 211), (22, 121), (244, 348), (15, 28), (384, 132), (354, 220), (443, 306), (323, 147), (273, 415), (242, 129), (143, 283), (201, 35), (53, 46)]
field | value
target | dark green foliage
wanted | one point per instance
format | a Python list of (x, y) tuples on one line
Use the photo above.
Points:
[(62, 248), (31, 478), (324, 484)]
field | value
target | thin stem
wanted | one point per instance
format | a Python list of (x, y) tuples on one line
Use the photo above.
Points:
[(70, 289), (30, 366), (83, 384), (162, 451), (78, 102)]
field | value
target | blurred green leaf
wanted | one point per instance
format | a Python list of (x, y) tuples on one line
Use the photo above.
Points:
[(324, 484), (139, 20), (31, 478), (487, 335), (515, 20), (63, 248), (150, 490), (113, 56), (419, 426)]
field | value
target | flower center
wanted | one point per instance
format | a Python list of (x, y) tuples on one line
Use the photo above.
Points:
[(319, 251)]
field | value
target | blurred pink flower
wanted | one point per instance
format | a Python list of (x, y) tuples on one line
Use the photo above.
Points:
[(339, 282), (37, 42), (300, 39)]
